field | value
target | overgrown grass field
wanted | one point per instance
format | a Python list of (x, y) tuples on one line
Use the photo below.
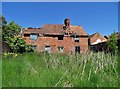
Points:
[(0, 73), (58, 70)]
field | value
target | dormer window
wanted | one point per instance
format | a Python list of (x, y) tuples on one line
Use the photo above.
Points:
[(33, 36)]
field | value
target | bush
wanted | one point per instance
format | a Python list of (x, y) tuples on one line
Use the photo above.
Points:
[(18, 45), (11, 34), (9, 55), (112, 43)]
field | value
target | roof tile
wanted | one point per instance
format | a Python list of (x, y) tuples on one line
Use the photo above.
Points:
[(55, 29)]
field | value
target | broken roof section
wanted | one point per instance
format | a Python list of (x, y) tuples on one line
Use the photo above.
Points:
[(96, 38), (31, 31), (55, 29)]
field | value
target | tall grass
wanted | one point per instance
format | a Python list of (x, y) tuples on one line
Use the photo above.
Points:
[(58, 70), (0, 73)]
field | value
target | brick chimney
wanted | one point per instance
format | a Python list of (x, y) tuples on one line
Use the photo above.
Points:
[(67, 22)]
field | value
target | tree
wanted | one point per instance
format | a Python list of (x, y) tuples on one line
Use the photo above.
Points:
[(11, 34), (17, 44), (112, 43), (10, 30), (2, 20)]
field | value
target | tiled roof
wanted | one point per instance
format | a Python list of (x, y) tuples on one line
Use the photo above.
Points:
[(52, 29), (31, 30), (78, 30), (94, 34), (55, 29), (118, 35), (97, 38)]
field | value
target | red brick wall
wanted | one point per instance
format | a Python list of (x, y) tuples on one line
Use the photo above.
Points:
[(68, 43)]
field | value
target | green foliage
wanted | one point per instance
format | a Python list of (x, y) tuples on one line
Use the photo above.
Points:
[(58, 70), (28, 48), (10, 30), (11, 34), (9, 55), (112, 43), (18, 45), (0, 74), (2, 20)]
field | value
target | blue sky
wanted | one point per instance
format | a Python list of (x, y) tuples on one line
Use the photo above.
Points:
[(93, 16)]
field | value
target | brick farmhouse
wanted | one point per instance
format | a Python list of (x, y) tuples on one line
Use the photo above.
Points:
[(61, 38)]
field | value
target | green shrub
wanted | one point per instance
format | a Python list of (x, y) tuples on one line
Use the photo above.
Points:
[(112, 43)]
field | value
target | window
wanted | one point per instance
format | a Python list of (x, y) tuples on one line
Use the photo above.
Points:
[(76, 39), (60, 49), (60, 38), (34, 47), (33, 36), (94, 48), (26, 35), (48, 49), (77, 49)]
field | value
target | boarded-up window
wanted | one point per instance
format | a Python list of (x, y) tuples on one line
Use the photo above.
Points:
[(48, 49)]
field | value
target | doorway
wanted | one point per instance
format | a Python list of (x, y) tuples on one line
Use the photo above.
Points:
[(77, 49)]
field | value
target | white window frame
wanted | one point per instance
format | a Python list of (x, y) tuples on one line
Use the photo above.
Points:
[(60, 49), (76, 39), (33, 36), (34, 47), (48, 49)]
